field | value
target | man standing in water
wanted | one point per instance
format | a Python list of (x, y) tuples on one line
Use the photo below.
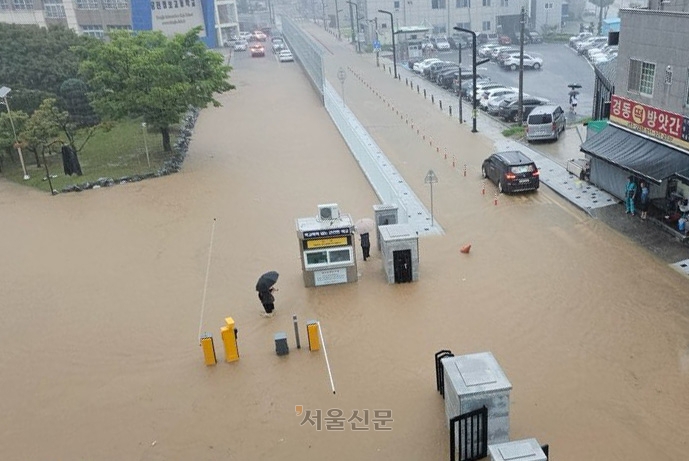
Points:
[(630, 195)]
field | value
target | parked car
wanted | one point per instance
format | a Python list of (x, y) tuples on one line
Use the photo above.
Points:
[(545, 122), (509, 109), (441, 44), (485, 51), (456, 40), (533, 37), (421, 66), (257, 50), (285, 55), (512, 62), (601, 59), (504, 40), (431, 71), (511, 171), (277, 44), (593, 42), (578, 38), (504, 54), (493, 104), (240, 45), (480, 88), (485, 37), (245, 35), (495, 92), (442, 70)]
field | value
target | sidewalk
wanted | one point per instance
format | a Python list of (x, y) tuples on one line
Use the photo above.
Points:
[(439, 107)]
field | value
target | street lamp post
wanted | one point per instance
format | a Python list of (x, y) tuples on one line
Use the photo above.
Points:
[(521, 66), (474, 64), (337, 21), (4, 91), (351, 19), (394, 51), (459, 77), (375, 21), (356, 12), (431, 178)]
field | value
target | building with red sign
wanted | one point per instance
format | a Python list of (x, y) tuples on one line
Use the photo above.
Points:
[(647, 136)]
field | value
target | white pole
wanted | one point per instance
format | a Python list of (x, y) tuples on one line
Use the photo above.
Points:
[(205, 283), (143, 128), (16, 140), (325, 352)]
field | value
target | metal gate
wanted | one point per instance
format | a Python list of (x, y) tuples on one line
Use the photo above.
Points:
[(439, 375), (469, 435)]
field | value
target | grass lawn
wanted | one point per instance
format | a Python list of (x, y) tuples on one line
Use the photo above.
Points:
[(117, 153)]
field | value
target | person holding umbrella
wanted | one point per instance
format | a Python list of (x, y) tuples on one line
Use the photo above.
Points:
[(364, 226), (265, 287)]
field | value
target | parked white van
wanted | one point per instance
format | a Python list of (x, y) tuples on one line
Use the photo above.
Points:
[(545, 122)]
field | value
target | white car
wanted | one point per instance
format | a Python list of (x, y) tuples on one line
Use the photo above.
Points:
[(512, 62), (420, 66), (486, 50), (600, 59), (285, 56), (259, 36), (441, 44), (496, 92), (245, 36), (240, 45)]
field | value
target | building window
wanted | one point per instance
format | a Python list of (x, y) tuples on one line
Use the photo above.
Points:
[(23, 4), (438, 4), (87, 4), (4, 5), (485, 26), (54, 9), (119, 27), (486, 2), (463, 4), (396, 4), (641, 77), (93, 31), (115, 4), (504, 3)]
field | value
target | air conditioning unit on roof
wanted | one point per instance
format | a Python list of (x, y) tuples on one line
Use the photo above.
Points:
[(328, 212)]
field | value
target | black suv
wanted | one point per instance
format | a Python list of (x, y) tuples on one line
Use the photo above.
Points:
[(509, 109), (512, 171)]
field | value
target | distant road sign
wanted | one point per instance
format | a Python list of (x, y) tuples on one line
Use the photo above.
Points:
[(376, 45)]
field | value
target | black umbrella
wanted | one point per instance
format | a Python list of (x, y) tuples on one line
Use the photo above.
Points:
[(574, 86), (266, 281)]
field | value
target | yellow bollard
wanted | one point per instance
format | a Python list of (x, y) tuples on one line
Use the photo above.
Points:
[(229, 339), (208, 349), (312, 333)]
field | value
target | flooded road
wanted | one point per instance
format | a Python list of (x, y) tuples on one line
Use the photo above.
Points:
[(102, 302)]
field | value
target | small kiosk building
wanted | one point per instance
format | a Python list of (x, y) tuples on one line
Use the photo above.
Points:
[(400, 253), (327, 247)]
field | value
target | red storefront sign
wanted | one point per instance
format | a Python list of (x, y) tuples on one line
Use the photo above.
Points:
[(666, 126)]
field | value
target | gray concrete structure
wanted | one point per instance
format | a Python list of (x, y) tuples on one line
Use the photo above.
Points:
[(522, 450), (384, 215), (281, 347), (475, 380), (400, 253)]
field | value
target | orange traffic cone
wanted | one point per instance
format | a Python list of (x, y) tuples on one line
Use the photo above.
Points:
[(465, 249)]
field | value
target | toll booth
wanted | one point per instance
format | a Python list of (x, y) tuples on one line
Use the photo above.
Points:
[(384, 215), (400, 253), (327, 248), (474, 381)]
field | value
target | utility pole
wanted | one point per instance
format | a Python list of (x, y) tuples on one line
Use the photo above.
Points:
[(520, 113), (337, 21), (459, 78), (351, 19)]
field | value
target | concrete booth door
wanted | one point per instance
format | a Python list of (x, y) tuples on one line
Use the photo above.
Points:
[(402, 265)]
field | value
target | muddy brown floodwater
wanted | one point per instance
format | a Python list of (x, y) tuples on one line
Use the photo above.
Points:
[(102, 299)]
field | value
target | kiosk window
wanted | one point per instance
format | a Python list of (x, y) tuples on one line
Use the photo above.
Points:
[(316, 257), (340, 256)]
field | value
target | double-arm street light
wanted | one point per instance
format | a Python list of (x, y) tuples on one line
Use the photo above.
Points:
[(394, 51), (355, 35), (4, 91), (474, 64)]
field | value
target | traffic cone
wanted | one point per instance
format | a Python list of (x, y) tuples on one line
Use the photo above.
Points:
[(465, 249)]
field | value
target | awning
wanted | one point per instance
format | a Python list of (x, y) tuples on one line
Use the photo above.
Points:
[(636, 154)]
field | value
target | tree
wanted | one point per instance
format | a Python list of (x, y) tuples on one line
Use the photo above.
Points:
[(40, 131), (148, 75), (74, 96), (38, 59)]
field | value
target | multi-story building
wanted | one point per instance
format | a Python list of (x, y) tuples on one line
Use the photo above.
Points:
[(647, 136), (218, 18)]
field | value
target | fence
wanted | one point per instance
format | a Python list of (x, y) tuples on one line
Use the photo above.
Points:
[(308, 55)]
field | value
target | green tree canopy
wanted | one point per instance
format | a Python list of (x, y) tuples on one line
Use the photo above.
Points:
[(37, 59), (148, 75)]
